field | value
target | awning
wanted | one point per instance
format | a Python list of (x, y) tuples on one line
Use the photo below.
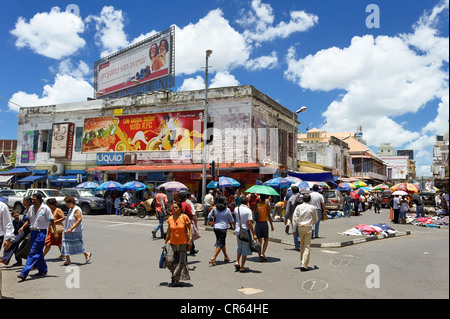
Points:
[(170, 167), (31, 179), (16, 170), (5, 179), (314, 177)]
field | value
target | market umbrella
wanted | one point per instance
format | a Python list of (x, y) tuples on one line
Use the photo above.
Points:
[(173, 186), (223, 182), (262, 189), (303, 187), (406, 187), (110, 185), (87, 185), (358, 184), (380, 187), (346, 185), (294, 179), (135, 186), (278, 182), (354, 195), (361, 191), (401, 193)]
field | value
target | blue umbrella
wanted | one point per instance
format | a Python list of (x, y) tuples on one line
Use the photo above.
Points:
[(303, 187), (111, 185), (278, 182), (224, 182), (87, 185), (134, 185)]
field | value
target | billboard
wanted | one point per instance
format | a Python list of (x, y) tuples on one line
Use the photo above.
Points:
[(148, 60), (62, 140), (158, 132)]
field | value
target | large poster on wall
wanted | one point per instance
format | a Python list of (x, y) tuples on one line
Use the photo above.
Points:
[(175, 131), (62, 140), (148, 61)]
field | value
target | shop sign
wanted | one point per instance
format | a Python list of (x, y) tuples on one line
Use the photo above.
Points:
[(110, 158)]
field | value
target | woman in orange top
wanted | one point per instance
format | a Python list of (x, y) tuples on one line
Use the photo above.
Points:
[(261, 227), (179, 228)]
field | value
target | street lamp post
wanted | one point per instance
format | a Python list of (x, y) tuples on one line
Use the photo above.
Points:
[(205, 126), (295, 138)]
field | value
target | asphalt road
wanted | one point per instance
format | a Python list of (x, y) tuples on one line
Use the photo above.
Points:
[(125, 266)]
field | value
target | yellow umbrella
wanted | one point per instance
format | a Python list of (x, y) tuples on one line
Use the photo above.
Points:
[(359, 184)]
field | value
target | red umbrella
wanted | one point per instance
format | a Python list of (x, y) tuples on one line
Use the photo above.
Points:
[(406, 187), (355, 195)]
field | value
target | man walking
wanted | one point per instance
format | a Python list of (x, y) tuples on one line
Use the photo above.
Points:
[(39, 218), (160, 208), (6, 226), (305, 215), (319, 203), (292, 203), (348, 200)]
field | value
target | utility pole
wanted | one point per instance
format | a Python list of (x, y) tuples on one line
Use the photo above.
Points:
[(205, 126)]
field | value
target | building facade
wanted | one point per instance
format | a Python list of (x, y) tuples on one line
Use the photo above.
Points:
[(110, 139)]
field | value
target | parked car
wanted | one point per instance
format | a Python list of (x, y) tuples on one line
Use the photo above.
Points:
[(15, 202), (13, 198), (87, 201), (334, 200), (385, 197)]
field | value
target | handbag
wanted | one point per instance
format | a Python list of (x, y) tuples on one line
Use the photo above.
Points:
[(212, 219), (244, 235), (255, 246), (195, 231), (162, 259), (24, 248)]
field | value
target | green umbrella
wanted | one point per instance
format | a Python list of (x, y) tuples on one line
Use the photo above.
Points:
[(262, 189)]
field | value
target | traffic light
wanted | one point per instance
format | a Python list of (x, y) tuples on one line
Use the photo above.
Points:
[(213, 169)]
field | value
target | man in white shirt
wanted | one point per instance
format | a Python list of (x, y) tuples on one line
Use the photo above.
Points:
[(6, 226), (39, 218), (208, 202), (319, 203), (244, 220), (305, 216), (396, 208)]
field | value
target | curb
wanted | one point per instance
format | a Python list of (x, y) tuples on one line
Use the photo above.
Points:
[(334, 244)]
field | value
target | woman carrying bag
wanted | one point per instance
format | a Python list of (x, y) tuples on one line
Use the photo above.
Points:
[(244, 222), (222, 216), (179, 228)]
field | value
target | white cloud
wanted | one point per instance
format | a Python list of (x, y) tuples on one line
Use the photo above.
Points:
[(221, 79), (65, 89), (79, 72), (110, 35), (259, 23), (382, 78), (263, 62), (53, 34), (213, 32)]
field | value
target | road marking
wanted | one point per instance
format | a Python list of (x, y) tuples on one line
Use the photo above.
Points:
[(315, 285), (250, 291), (330, 252)]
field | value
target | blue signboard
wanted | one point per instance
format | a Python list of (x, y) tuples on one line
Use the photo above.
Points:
[(109, 158)]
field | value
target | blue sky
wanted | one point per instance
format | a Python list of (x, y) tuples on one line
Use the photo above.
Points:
[(392, 80)]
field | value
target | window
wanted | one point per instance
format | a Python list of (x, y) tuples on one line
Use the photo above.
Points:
[(210, 133), (311, 157)]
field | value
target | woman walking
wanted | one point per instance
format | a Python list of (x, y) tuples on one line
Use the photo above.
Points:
[(179, 228), (59, 217), (72, 243), (262, 210), (222, 216)]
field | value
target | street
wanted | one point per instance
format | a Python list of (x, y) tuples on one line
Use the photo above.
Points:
[(125, 266)]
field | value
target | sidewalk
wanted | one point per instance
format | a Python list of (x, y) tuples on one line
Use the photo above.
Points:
[(329, 230)]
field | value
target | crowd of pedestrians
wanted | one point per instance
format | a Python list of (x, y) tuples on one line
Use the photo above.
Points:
[(42, 226)]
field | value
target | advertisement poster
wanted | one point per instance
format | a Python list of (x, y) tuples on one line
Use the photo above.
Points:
[(160, 132), (27, 155), (148, 62), (62, 140)]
